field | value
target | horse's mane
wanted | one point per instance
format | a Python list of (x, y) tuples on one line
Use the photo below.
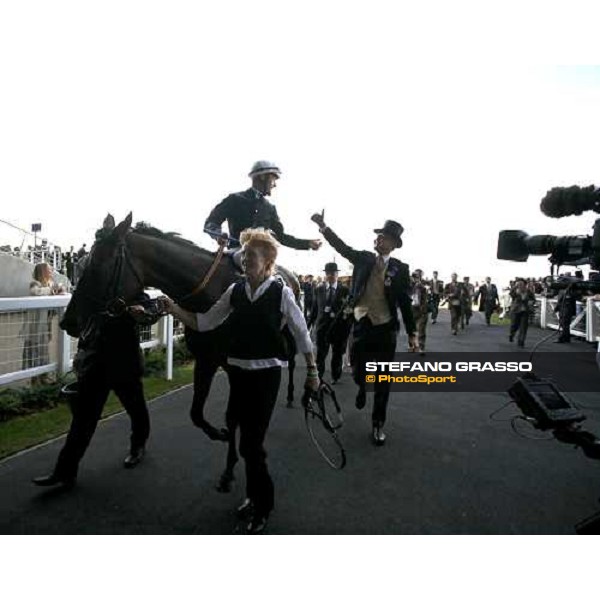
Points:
[(170, 236)]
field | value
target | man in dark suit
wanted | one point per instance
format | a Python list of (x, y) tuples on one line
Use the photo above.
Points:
[(436, 289), (380, 285), (308, 287), (327, 315), (108, 358), (488, 298)]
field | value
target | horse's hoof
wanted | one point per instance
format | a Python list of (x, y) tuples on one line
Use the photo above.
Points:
[(219, 435), (225, 484), (223, 435)]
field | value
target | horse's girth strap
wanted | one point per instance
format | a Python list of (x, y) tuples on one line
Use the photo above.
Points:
[(209, 273)]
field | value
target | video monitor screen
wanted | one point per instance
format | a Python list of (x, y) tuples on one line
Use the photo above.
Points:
[(549, 397)]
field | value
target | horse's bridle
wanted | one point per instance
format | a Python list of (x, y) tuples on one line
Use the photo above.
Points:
[(115, 305)]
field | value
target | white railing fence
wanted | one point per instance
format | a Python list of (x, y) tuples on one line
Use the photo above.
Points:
[(32, 344), (585, 324)]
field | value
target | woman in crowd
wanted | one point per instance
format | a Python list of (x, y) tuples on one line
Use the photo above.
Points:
[(37, 331), (258, 308)]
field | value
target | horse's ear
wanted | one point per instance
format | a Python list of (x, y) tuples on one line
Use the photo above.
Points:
[(123, 227), (108, 223)]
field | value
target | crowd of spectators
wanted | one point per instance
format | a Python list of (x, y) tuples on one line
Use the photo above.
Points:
[(63, 262)]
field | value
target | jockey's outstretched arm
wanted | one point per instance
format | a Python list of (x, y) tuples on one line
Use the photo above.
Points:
[(289, 240)]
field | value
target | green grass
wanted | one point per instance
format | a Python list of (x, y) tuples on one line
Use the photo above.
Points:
[(496, 320), (23, 432)]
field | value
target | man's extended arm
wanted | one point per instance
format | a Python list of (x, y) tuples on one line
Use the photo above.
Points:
[(287, 240), (348, 253)]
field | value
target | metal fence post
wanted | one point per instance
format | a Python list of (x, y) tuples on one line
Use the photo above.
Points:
[(592, 321), (64, 347), (543, 310), (169, 345)]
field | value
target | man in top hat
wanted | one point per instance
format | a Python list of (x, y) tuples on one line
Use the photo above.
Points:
[(380, 285), (251, 209), (327, 314)]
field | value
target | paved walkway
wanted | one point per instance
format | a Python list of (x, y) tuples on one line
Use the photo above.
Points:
[(446, 469)]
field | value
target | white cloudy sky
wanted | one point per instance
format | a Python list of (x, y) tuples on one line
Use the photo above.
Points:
[(431, 116)]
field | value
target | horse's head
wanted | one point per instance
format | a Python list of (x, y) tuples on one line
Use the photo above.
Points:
[(108, 278)]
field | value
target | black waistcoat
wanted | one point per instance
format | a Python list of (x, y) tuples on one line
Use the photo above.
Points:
[(256, 326)]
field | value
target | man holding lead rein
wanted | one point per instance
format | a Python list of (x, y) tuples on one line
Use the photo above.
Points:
[(380, 285)]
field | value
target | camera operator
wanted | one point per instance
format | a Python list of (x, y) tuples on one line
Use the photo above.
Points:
[(566, 307)]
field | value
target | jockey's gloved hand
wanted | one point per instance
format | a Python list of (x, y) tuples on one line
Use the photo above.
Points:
[(214, 231)]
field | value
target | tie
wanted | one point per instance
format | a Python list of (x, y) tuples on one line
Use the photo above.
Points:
[(329, 301), (380, 264)]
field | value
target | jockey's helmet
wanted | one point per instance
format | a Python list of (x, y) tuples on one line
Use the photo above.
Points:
[(262, 167)]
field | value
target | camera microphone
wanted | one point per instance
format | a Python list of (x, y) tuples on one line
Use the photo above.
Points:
[(574, 200)]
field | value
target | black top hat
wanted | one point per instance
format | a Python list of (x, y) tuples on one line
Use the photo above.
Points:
[(331, 268), (393, 229)]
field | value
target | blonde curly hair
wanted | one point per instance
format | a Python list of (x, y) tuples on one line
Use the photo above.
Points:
[(261, 238)]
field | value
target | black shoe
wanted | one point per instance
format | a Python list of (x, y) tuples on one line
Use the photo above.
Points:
[(511, 338), (361, 399), (521, 344), (433, 322), (455, 333), (245, 509), (335, 380), (422, 353), (135, 457), (378, 436), (53, 479), (257, 525)]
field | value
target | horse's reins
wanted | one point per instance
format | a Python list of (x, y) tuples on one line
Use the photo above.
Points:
[(223, 242), (208, 276)]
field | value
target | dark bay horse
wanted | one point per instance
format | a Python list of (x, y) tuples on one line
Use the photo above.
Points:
[(123, 262)]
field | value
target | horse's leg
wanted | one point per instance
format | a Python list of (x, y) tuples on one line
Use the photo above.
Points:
[(228, 477), (204, 372), (291, 370), (291, 360)]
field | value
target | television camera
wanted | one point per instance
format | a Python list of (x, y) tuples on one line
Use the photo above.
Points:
[(543, 405), (517, 246)]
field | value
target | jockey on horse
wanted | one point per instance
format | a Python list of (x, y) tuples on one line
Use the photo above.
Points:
[(252, 209)]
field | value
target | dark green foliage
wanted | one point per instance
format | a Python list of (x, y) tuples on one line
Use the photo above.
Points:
[(154, 361), (181, 354), (24, 401), (16, 402)]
